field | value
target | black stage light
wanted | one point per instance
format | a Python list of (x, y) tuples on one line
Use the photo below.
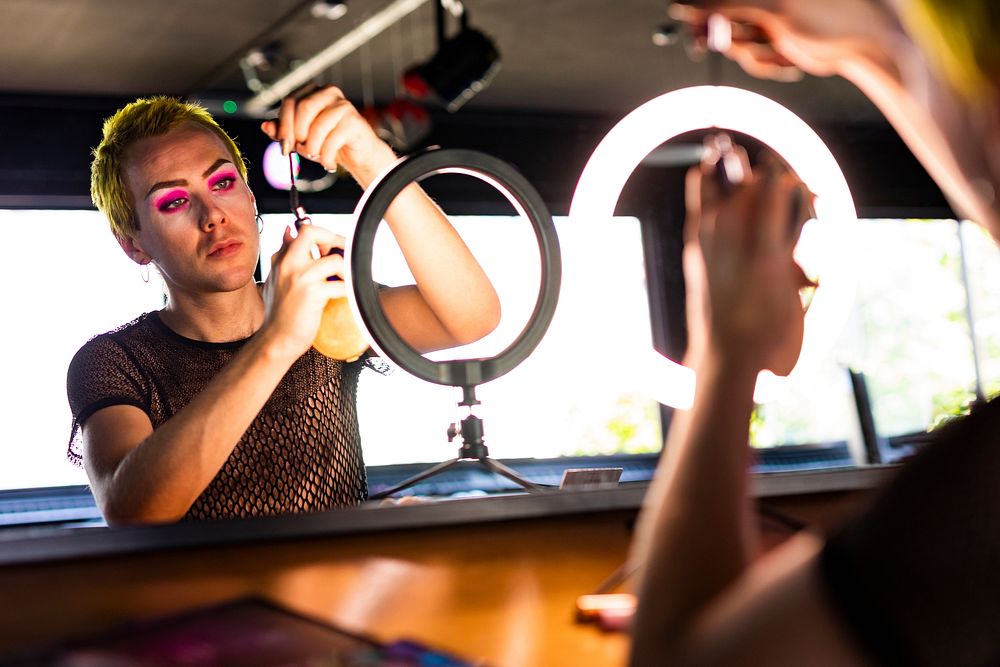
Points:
[(463, 66)]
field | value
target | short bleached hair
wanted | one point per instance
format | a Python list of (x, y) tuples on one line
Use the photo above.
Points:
[(141, 119)]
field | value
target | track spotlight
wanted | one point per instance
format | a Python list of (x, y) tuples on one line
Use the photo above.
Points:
[(462, 66), (328, 9), (258, 61)]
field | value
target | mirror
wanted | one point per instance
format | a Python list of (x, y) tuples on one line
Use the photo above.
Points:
[(371, 304), (499, 238), (522, 412), (540, 113)]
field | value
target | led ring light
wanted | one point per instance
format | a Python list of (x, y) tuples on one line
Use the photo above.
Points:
[(360, 284), (704, 107)]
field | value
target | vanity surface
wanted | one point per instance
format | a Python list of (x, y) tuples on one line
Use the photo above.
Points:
[(492, 579)]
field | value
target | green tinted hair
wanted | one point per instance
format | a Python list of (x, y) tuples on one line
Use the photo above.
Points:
[(143, 118)]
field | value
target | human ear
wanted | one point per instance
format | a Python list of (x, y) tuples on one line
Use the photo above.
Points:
[(134, 251)]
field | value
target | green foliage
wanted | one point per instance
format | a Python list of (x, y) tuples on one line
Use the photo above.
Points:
[(631, 427), (947, 405), (757, 426), (908, 333)]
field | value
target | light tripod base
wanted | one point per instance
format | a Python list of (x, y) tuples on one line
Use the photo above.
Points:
[(486, 462)]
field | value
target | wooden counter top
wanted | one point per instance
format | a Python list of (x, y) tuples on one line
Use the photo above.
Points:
[(501, 590), (492, 578)]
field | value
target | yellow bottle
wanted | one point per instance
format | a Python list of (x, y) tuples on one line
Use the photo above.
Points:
[(338, 336)]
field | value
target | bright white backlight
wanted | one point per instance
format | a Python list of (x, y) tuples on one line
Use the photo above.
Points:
[(276, 167), (704, 107)]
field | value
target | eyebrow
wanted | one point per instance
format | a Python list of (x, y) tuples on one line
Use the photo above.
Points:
[(169, 184)]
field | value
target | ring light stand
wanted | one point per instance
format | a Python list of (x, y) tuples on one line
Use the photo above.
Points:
[(464, 373)]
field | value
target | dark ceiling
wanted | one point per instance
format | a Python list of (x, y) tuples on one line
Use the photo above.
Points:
[(570, 69), (562, 56)]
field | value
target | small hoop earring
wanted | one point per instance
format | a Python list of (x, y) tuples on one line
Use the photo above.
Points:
[(144, 272), (260, 224)]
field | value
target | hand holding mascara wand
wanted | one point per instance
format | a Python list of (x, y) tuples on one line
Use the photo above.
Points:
[(730, 164), (301, 218), (731, 170), (339, 336)]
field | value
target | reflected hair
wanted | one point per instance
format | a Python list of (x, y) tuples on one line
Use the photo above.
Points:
[(144, 118)]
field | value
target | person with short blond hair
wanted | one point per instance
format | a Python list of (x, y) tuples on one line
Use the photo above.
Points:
[(141, 119), (218, 405)]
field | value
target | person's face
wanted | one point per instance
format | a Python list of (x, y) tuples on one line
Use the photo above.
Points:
[(197, 219)]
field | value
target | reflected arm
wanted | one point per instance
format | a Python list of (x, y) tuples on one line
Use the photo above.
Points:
[(453, 301)]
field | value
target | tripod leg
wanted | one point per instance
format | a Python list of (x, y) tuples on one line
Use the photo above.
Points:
[(419, 477), (501, 469)]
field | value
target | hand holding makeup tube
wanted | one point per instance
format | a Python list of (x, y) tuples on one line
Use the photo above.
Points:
[(298, 290), (782, 40), (743, 283), (452, 302), (922, 81), (321, 125)]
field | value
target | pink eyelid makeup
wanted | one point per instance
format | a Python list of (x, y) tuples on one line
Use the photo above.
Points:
[(162, 203), (223, 176)]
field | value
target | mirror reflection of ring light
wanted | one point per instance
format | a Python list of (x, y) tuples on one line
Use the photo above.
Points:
[(709, 107), (465, 373)]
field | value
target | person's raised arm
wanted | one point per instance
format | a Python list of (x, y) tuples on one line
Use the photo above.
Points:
[(696, 533), (867, 43), (453, 301), (142, 475)]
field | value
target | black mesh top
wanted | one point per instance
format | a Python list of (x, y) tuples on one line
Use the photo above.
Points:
[(301, 453)]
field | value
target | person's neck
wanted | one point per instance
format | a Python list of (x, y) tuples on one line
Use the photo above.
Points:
[(219, 317)]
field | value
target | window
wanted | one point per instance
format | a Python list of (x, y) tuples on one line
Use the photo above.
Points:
[(571, 397), (908, 333), (575, 395), (64, 279)]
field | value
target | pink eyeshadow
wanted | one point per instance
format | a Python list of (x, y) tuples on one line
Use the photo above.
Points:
[(231, 175), (169, 197)]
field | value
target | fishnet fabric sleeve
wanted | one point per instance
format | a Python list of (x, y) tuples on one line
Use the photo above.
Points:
[(100, 375), (371, 359)]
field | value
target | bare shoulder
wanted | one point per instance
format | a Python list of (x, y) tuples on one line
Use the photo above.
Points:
[(779, 612)]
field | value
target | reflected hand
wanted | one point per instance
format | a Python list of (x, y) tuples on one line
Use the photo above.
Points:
[(297, 289), (743, 283), (321, 125)]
